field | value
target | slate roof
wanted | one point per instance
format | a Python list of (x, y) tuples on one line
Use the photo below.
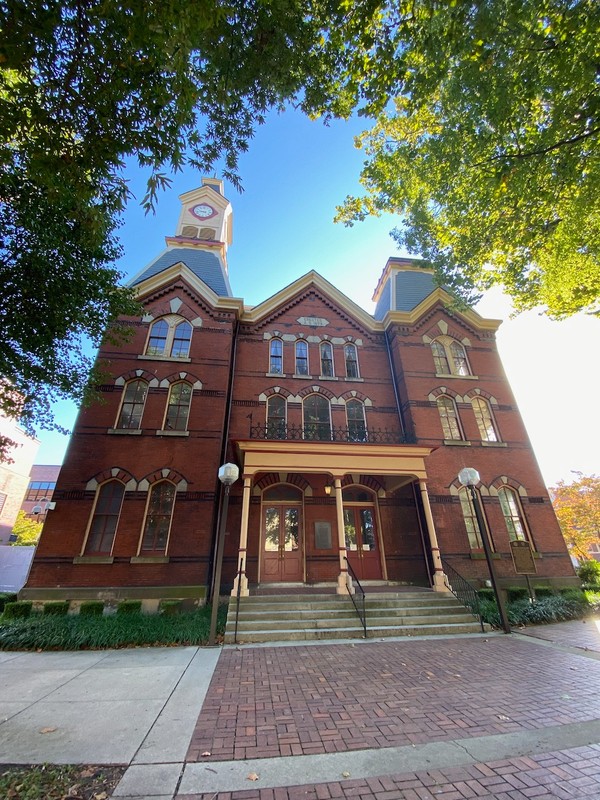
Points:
[(206, 265), (412, 287)]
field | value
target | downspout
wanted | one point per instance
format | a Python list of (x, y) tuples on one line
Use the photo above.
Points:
[(394, 384), (223, 454)]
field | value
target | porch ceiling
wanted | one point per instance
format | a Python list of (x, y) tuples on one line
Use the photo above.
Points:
[(331, 458)]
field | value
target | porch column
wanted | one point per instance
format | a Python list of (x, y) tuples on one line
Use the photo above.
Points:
[(439, 582), (243, 579), (344, 584)]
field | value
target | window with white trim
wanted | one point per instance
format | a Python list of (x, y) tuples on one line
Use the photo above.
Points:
[(326, 360), (132, 405), (450, 357), (449, 417), (470, 518), (351, 361), (105, 518), (276, 417), (169, 337), (317, 417), (301, 357), (485, 420), (357, 426), (159, 513), (178, 407), (513, 514), (276, 357)]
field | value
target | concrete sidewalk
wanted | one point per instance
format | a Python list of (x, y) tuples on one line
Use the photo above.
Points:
[(490, 716)]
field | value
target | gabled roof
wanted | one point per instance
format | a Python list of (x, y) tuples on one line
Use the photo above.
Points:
[(203, 263)]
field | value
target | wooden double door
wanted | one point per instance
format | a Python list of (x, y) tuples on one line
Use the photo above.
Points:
[(282, 543), (362, 541)]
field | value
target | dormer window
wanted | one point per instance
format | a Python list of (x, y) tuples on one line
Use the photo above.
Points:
[(170, 336)]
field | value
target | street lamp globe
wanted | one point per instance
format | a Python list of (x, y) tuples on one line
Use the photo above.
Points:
[(228, 474), (468, 476)]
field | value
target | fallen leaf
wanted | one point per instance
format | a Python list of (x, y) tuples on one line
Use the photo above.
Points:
[(345, 774), (207, 753), (86, 773), (101, 796), (47, 730), (502, 716), (253, 776)]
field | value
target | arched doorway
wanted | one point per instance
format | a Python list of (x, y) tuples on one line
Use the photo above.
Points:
[(281, 535), (362, 537)]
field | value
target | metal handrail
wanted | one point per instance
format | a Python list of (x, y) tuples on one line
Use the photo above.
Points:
[(237, 602), (463, 591), (326, 433), (362, 616)]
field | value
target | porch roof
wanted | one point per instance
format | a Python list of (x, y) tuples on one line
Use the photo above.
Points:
[(331, 458)]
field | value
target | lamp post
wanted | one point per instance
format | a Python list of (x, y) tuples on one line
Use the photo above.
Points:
[(228, 475), (469, 477)]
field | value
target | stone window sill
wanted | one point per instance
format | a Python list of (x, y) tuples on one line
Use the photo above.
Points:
[(457, 442), (149, 559), (355, 380), (93, 560), (179, 359), (452, 375), (303, 377), (172, 433), (126, 431), (494, 444), (328, 378), (275, 375), (479, 555)]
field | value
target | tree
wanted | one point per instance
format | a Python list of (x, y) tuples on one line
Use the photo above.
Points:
[(26, 530), (488, 147), (577, 507), (85, 85)]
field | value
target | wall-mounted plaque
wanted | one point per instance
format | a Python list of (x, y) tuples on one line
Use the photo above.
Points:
[(523, 558), (322, 535)]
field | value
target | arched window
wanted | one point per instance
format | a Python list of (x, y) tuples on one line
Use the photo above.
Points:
[(440, 359), (178, 407), (449, 418), (170, 337), (468, 510), (485, 421), (182, 338), (276, 357), (105, 518), (276, 417), (326, 360), (158, 517), (351, 360), (317, 418), (513, 515), (449, 357), (157, 342), (357, 427), (132, 407), (301, 357)]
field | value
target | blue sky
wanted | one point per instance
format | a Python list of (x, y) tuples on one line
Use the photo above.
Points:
[(294, 174)]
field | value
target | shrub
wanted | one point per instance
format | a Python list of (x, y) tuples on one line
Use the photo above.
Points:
[(486, 594), (129, 607), (18, 610), (517, 593), (169, 607), (589, 571), (7, 597), (91, 608), (58, 608), (555, 608), (544, 591)]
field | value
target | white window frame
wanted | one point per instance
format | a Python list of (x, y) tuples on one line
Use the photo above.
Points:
[(173, 321)]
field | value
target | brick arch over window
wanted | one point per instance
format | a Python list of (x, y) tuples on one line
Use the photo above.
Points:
[(505, 480), (137, 374), (317, 390), (364, 480), (456, 486), (271, 478), (482, 393), (445, 330), (113, 473), (354, 395), (274, 390), (176, 377), (435, 393), (165, 474)]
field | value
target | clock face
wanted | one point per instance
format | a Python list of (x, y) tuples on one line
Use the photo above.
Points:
[(203, 211)]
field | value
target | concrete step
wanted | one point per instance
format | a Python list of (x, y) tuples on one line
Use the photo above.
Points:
[(250, 614), (351, 622), (343, 601)]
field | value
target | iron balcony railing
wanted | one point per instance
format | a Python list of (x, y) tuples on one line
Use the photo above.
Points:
[(326, 433)]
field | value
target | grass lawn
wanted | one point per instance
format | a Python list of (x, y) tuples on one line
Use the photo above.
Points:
[(51, 782)]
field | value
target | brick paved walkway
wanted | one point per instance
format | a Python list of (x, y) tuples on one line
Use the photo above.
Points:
[(578, 633), (562, 775), (282, 701)]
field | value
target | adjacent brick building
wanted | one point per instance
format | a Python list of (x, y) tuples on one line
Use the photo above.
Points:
[(349, 430)]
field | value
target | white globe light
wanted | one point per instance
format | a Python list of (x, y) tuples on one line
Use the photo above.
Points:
[(228, 474), (468, 476)]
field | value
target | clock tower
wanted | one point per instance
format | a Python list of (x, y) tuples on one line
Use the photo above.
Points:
[(203, 234)]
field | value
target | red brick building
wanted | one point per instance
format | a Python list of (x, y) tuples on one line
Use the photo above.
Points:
[(349, 430)]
